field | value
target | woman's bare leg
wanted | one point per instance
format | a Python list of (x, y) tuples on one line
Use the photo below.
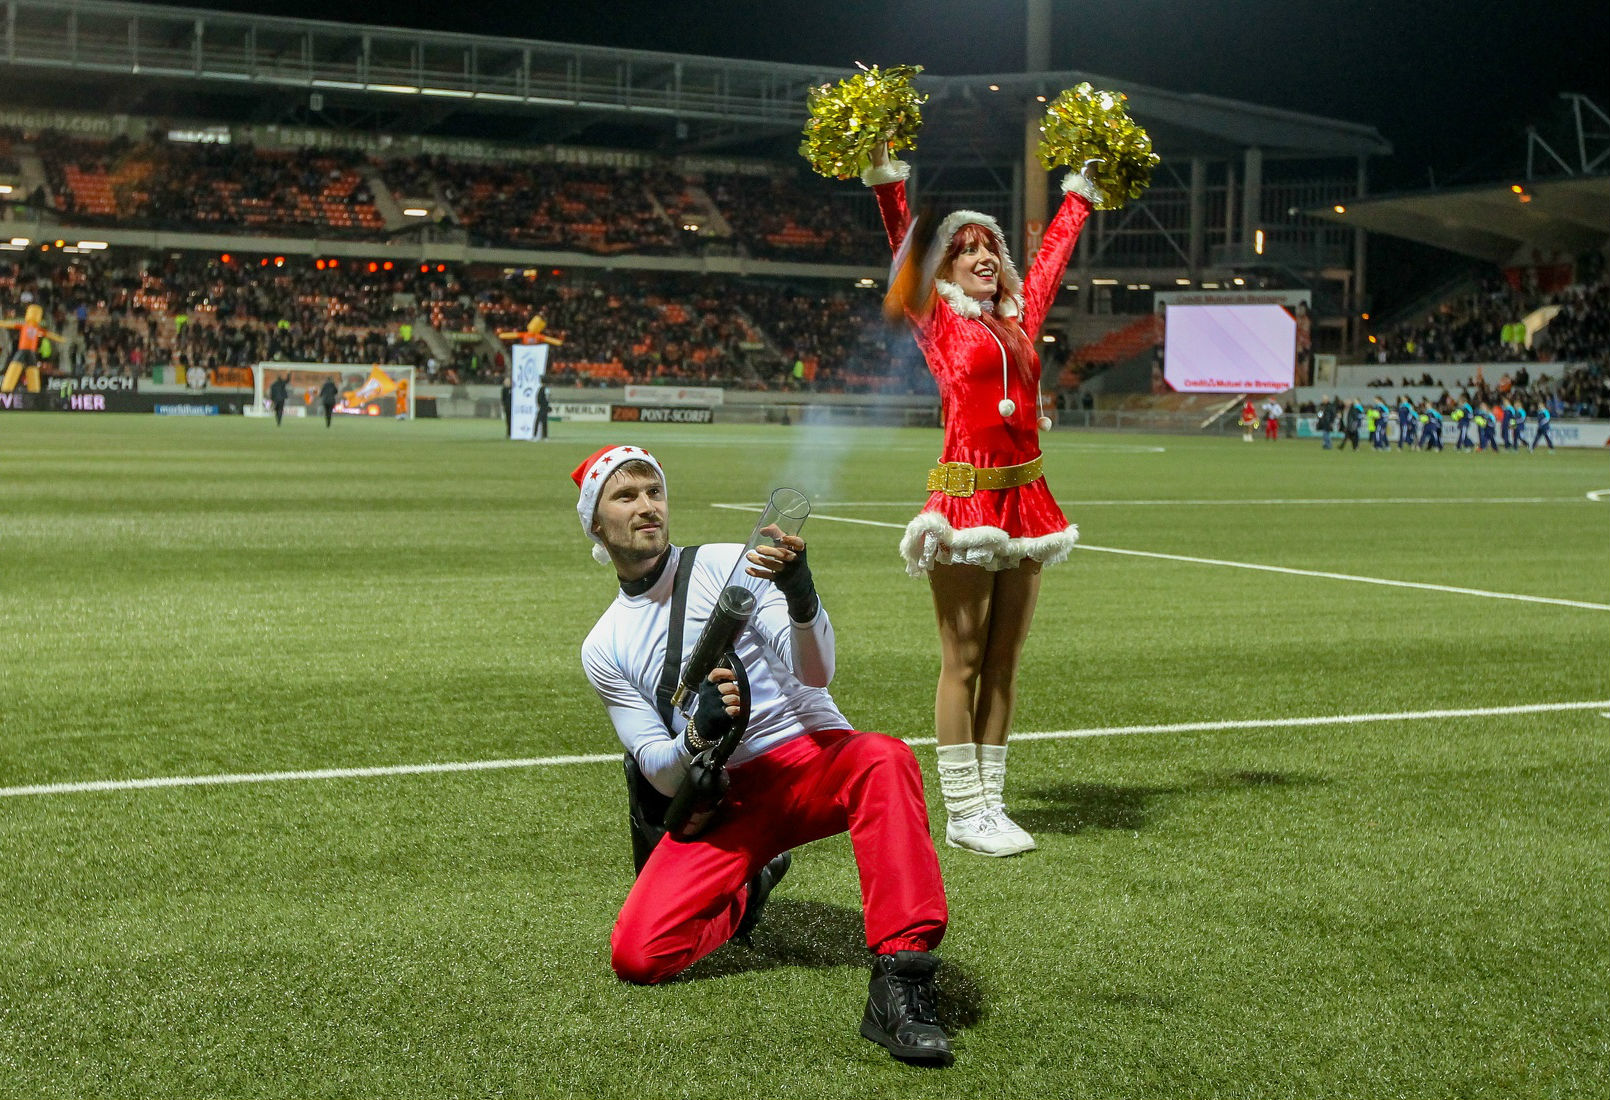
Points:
[(1011, 613), (962, 607)]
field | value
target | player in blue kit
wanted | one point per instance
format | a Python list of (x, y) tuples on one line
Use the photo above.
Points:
[(1462, 415), (1486, 429), (1406, 423), (1518, 428), (1430, 427), (1542, 435)]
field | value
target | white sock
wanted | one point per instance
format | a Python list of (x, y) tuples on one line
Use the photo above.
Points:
[(959, 781), (992, 773)]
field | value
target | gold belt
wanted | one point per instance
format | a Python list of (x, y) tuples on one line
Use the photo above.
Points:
[(962, 479)]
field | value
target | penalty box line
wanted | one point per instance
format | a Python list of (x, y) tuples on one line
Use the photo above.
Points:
[(614, 757), (1258, 566)]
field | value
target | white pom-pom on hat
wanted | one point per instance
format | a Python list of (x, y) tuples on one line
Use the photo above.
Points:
[(1007, 407)]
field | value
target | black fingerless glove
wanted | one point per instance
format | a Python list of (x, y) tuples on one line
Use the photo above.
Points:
[(794, 581), (710, 721)]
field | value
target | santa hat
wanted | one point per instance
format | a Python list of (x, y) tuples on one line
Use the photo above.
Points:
[(590, 477)]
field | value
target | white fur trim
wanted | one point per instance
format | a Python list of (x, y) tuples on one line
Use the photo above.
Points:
[(954, 221), (958, 299), (600, 555), (891, 171), (1079, 184), (930, 539)]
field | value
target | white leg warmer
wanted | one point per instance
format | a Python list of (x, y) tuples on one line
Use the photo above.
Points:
[(959, 781), (992, 773)]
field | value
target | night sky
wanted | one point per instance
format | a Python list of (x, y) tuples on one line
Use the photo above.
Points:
[(1451, 90)]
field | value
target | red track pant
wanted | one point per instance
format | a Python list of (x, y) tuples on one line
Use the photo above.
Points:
[(1271, 428), (691, 893)]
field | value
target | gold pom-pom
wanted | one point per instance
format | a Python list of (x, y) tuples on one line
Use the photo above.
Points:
[(850, 118), (1085, 124)]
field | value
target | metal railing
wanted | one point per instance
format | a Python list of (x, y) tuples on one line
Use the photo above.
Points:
[(101, 36)]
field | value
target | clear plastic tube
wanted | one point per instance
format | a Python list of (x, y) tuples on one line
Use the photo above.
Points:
[(785, 514)]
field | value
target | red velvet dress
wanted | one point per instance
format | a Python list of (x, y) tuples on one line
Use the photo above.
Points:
[(993, 528)]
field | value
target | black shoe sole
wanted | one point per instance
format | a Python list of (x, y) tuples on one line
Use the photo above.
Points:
[(917, 1056)]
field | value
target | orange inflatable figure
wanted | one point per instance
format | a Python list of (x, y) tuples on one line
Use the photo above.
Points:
[(534, 333), (26, 357)]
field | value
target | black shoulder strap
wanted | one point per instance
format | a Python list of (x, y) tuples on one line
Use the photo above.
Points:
[(673, 638)]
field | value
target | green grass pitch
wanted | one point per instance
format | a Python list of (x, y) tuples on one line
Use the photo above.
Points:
[(1390, 907)]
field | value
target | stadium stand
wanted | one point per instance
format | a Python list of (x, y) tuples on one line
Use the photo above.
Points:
[(167, 185), (601, 211), (124, 314)]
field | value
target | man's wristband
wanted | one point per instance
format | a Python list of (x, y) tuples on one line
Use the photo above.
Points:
[(696, 742), (802, 607)]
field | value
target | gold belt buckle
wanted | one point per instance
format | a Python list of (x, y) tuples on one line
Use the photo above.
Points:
[(961, 478)]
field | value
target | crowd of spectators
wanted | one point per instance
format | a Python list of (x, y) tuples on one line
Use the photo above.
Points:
[(565, 207), (124, 319), (1486, 325), (127, 315), (551, 206), (798, 217), (205, 186), (1469, 329)]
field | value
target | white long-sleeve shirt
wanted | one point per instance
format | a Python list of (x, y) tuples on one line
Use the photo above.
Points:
[(789, 665)]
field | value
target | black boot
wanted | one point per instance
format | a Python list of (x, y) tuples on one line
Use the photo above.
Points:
[(760, 888), (902, 1009)]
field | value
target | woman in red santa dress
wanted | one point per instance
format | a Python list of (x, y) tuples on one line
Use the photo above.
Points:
[(1249, 421), (990, 523)]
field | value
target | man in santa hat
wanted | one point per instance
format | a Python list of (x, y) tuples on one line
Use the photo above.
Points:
[(800, 772)]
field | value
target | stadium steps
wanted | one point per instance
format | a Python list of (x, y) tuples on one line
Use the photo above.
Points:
[(433, 339), (32, 175), (715, 223), (1460, 286), (1217, 414), (386, 204), (768, 352)]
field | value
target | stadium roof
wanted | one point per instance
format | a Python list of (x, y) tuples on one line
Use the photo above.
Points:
[(1181, 125), (145, 59), (1500, 223)]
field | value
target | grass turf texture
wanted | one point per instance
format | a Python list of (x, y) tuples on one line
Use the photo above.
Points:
[(1383, 909)]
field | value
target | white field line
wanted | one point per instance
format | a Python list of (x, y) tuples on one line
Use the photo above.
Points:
[(614, 757), (774, 442), (916, 504), (1455, 589), (1598, 494), (1387, 582)]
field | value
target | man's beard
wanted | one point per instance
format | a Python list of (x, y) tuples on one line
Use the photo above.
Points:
[(638, 553)]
